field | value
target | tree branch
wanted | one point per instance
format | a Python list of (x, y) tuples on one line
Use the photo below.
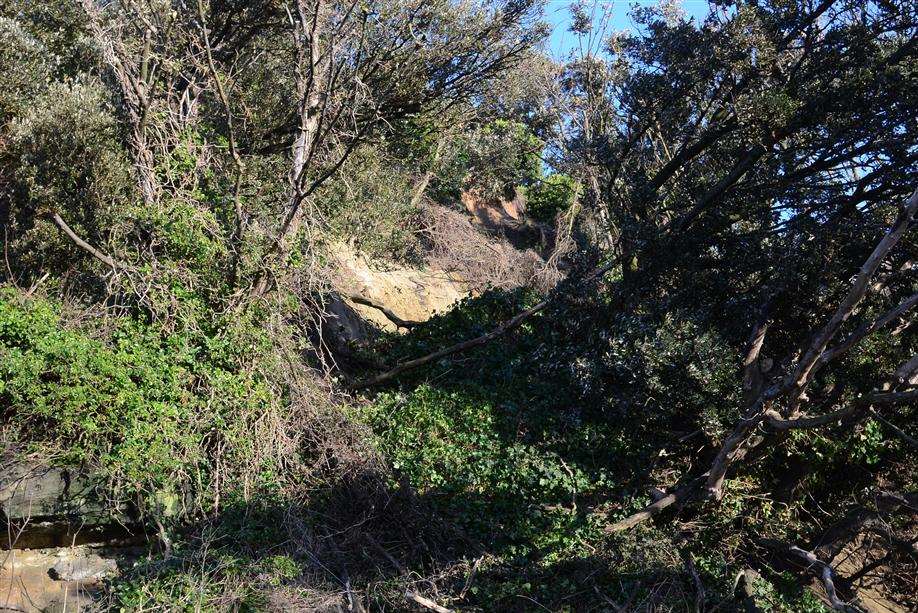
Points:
[(826, 574), (398, 321), (868, 329), (801, 375), (105, 259), (680, 495), (502, 329), (778, 423)]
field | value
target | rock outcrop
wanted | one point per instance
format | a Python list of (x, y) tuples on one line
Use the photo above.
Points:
[(52, 580), (60, 541), (44, 506), (391, 299)]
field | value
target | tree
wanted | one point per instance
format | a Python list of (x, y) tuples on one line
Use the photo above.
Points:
[(739, 166), (189, 77)]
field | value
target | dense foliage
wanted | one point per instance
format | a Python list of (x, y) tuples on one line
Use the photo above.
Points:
[(722, 383)]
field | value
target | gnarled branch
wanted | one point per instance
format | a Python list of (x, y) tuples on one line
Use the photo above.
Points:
[(826, 574)]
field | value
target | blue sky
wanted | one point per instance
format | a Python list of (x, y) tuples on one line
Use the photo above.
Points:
[(557, 13)]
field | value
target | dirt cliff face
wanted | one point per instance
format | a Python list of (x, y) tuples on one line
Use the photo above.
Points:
[(507, 218), (493, 213)]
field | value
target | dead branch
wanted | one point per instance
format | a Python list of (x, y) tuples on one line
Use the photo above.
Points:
[(426, 602), (105, 259), (895, 429), (680, 495), (231, 132), (388, 556), (827, 575), (892, 501), (906, 373), (896, 544), (470, 578), (699, 586)]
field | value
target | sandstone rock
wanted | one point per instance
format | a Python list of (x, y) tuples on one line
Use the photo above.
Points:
[(33, 491), (28, 583), (88, 568), (411, 294)]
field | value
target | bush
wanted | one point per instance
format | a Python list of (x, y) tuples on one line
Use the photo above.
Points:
[(24, 69), (550, 196), (494, 159), (371, 206), (65, 157), (464, 452), (136, 407)]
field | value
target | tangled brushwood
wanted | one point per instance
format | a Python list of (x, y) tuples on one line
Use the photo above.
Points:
[(678, 370)]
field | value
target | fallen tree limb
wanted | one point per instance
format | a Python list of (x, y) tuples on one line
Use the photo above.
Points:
[(511, 324), (650, 510), (681, 496), (909, 548), (895, 429), (426, 602), (888, 501), (907, 372), (826, 575), (409, 594), (746, 581)]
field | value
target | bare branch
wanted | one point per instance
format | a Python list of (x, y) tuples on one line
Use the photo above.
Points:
[(398, 321), (904, 436), (827, 575), (105, 259), (231, 132), (649, 511), (426, 602)]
